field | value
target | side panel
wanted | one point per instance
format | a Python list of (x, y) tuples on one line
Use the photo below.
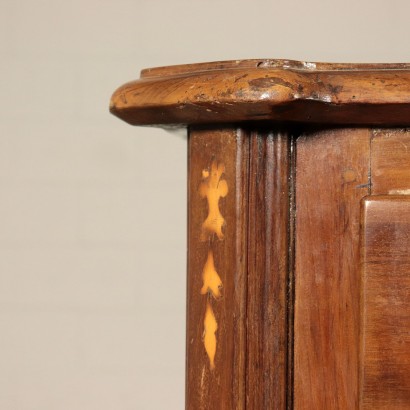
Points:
[(217, 261), (239, 308)]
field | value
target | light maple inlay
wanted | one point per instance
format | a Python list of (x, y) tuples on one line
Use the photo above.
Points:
[(210, 328), (212, 281), (212, 188)]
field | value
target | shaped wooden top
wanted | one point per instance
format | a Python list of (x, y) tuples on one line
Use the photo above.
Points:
[(267, 90)]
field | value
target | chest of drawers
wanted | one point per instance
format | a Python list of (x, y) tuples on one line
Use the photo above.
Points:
[(298, 229)]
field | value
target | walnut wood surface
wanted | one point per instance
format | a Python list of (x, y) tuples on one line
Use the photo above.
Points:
[(332, 170), (385, 361), (224, 386), (268, 271), (255, 90), (391, 161), (253, 261)]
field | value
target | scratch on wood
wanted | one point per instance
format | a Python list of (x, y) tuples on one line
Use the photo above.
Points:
[(368, 185), (202, 391)]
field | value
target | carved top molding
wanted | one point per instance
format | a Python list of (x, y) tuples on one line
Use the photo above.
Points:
[(267, 90)]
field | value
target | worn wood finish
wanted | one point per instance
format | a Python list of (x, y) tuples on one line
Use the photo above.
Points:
[(268, 274), (267, 63), (219, 385), (331, 177), (267, 90), (391, 161), (385, 361)]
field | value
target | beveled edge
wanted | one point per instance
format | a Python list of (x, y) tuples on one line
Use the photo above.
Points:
[(268, 63), (272, 90)]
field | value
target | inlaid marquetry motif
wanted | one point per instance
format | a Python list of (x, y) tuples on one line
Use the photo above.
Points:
[(212, 281), (213, 188), (210, 328)]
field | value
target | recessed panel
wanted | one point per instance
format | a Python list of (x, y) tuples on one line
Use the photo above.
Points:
[(385, 354)]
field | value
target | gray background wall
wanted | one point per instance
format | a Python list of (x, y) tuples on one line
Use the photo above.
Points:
[(92, 211)]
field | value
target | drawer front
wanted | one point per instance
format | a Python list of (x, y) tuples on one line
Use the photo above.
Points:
[(385, 303)]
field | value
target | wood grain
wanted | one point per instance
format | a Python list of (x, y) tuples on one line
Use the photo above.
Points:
[(332, 169), (221, 387), (385, 356), (271, 90), (391, 162), (267, 306)]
